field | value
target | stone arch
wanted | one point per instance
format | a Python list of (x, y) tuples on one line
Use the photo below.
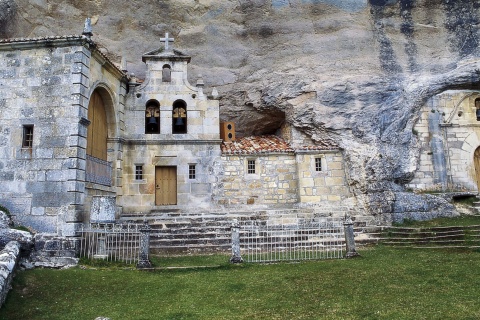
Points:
[(102, 128), (459, 103), (179, 116), (152, 117), (109, 101), (466, 160), (476, 164)]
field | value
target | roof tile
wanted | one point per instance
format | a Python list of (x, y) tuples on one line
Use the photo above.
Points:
[(267, 144)]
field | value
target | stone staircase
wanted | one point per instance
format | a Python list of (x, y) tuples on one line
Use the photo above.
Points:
[(435, 237), (175, 232)]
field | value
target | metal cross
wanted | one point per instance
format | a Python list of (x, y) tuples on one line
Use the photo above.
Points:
[(166, 40)]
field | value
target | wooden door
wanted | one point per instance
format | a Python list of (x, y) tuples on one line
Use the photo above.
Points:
[(476, 161), (97, 130), (165, 186)]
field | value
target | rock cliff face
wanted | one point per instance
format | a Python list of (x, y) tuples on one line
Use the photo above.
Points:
[(356, 71)]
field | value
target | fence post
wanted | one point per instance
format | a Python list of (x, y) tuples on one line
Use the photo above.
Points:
[(349, 238), (144, 259), (236, 257)]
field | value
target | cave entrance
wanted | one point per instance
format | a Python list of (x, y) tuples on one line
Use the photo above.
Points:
[(476, 161)]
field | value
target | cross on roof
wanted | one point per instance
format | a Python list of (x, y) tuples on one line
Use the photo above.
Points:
[(166, 40)]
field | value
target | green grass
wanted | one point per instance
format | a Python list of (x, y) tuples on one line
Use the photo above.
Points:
[(385, 283), (463, 220)]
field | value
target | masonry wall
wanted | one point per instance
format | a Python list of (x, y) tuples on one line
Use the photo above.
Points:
[(41, 86), (327, 185), (448, 133), (139, 195), (275, 180)]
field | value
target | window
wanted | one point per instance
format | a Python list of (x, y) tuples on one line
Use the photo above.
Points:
[(27, 140), (166, 73), (138, 172), (152, 117), (477, 107), (318, 164), (179, 117), (191, 171), (251, 166)]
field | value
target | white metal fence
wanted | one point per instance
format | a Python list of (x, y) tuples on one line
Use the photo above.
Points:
[(290, 239), (111, 241)]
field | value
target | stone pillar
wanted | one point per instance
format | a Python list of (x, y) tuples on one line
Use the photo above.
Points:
[(350, 238), (144, 260), (236, 257), (103, 209)]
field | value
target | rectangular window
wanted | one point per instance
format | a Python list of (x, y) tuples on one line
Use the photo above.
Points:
[(191, 171), (318, 164), (27, 140), (251, 166), (138, 172)]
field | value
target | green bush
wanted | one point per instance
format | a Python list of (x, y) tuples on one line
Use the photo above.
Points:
[(2, 208)]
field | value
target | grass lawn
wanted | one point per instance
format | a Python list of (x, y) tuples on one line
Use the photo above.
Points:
[(385, 283)]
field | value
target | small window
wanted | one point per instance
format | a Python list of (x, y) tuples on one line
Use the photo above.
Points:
[(27, 140), (318, 164), (191, 171), (166, 73), (251, 166), (138, 172)]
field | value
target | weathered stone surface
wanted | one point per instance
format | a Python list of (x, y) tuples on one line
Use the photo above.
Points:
[(5, 220), (8, 260), (413, 206), (25, 238), (8, 9)]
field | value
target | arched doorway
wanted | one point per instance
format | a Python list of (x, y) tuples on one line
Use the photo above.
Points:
[(476, 161), (98, 169)]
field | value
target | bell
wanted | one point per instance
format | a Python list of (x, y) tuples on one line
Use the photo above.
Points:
[(179, 122), (152, 125)]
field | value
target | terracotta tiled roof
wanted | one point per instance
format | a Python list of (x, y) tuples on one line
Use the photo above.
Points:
[(267, 144)]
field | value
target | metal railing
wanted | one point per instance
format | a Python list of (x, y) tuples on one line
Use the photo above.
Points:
[(111, 241), (98, 171), (292, 239)]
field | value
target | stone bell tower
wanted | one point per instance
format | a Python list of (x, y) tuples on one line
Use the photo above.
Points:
[(172, 137)]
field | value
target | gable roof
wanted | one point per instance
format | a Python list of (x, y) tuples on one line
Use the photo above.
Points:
[(270, 144), (161, 54), (57, 41)]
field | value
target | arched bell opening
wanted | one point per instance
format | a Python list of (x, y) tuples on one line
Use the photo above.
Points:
[(152, 117), (179, 117)]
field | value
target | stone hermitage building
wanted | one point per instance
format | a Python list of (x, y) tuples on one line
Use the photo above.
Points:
[(75, 126)]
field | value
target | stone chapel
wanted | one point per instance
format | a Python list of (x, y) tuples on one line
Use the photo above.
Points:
[(76, 127)]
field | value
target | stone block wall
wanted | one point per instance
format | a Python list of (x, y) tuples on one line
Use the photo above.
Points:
[(275, 180), (327, 185), (448, 133), (41, 86), (139, 195)]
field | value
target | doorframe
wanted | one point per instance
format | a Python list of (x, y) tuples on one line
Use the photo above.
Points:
[(176, 187)]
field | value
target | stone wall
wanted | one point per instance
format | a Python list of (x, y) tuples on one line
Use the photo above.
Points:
[(327, 185), (448, 133), (274, 182), (40, 86), (283, 179), (8, 261)]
